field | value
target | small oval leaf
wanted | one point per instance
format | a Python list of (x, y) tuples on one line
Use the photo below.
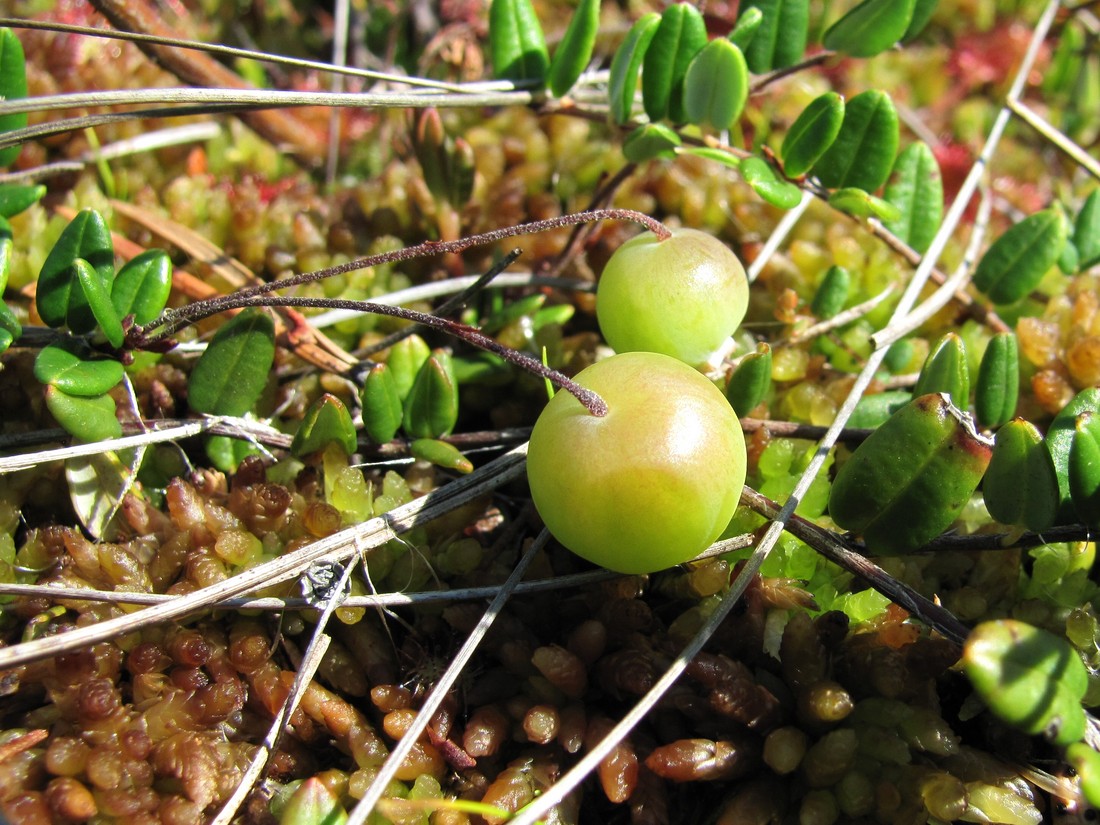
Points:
[(760, 175), (59, 297), (230, 375), (998, 387), (922, 13), (916, 189), (67, 365), (863, 152), (441, 454), (327, 421), (627, 63), (7, 246), (1086, 764), (1086, 232), (97, 295), (945, 370), (751, 381), (13, 86), (832, 293), (89, 419), (874, 410), (1018, 260), (813, 131), (381, 404), (431, 410), (1084, 468), (649, 142), (1020, 486), (404, 361), (517, 45), (10, 328), (15, 198), (1059, 440), (716, 85), (870, 28), (575, 49), (862, 204), (709, 153), (780, 39), (911, 478), (748, 24), (680, 36), (142, 286)]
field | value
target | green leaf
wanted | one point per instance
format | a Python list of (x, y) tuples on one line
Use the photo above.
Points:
[(1020, 485), (709, 153), (381, 404), (862, 204), (59, 296), (67, 366), (97, 485), (1017, 261), (1086, 764), (874, 410), (998, 386), (517, 46), (1086, 232), (832, 293), (10, 328), (1059, 441), (13, 86), (751, 381), (142, 286), (627, 63), (916, 189), (922, 13), (226, 453), (89, 419), (870, 28), (1030, 678), (812, 133), (945, 370), (575, 49), (231, 374), (7, 245), (431, 410), (780, 39), (405, 359), (1084, 468), (441, 454), (327, 421), (863, 152), (14, 198), (748, 24), (680, 36), (97, 295), (911, 478), (760, 175), (654, 140), (716, 85)]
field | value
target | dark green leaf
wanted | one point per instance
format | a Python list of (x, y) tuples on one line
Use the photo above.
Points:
[(1020, 485), (922, 13), (863, 152), (812, 133), (575, 49), (89, 419), (1086, 232), (404, 361), (441, 454), (717, 155), (1018, 260), (1084, 468), (59, 296), (232, 372), (13, 86), (911, 478), (654, 140), (680, 36), (998, 386), (748, 24), (1066, 62), (863, 204), (1069, 261), (916, 189), (327, 421), (1030, 678), (627, 62), (716, 85), (945, 370), (67, 365), (142, 286), (751, 381), (870, 28), (381, 404), (873, 410), (832, 293), (97, 295), (227, 453), (516, 42), (10, 328), (1059, 441), (431, 410), (14, 198), (760, 175), (780, 39)]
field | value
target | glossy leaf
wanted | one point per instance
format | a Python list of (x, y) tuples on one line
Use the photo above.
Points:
[(863, 204), (780, 39), (89, 419), (59, 296), (10, 328), (748, 24), (441, 454), (97, 294), (575, 49), (97, 485), (760, 175), (627, 63), (327, 421), (916, 189), (15, 198), (998, 387), (431, 410), (226, 453), (863, 153), (13, 86), (404, 361), (717, 155), (1017, 261), (680, 36), (1086, 232), (874, 410), (7, 245), (517, 46), (812, 132), (1020, 486), (67, 365), (832, 293), (649, 142), (142, 286), (945, 370), (751, 381), (230, 375), (911, 478), (870, 28), (1059, 440), (1084, 468), (716, 85), (1029, 677), (922, 13), (1086, 764), (381, 404)]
